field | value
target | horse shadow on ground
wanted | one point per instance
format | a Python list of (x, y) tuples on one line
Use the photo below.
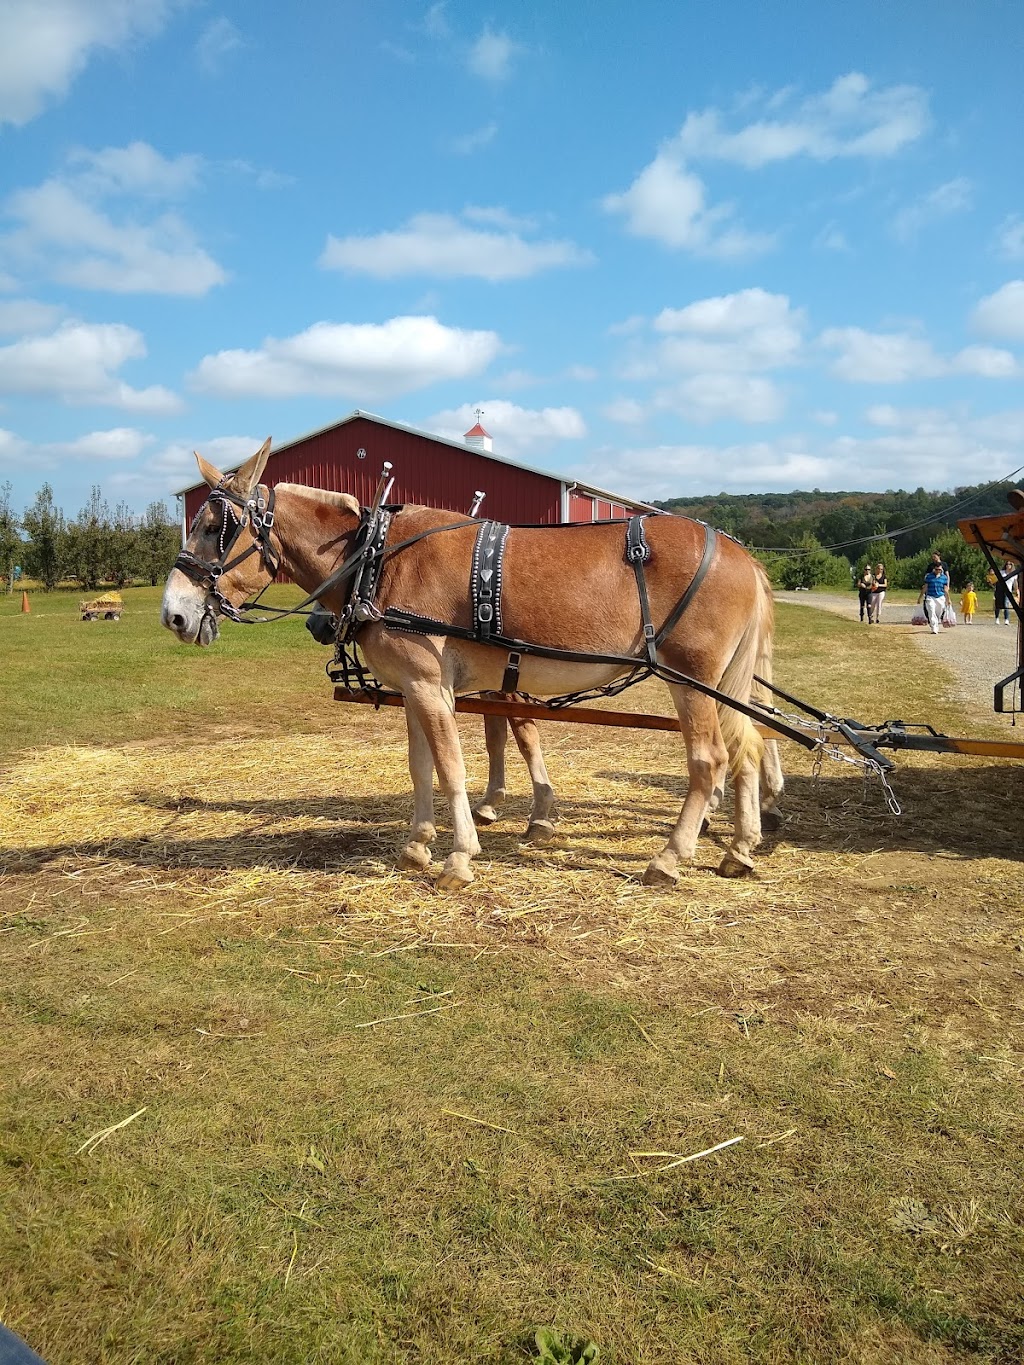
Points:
[(966, 813)]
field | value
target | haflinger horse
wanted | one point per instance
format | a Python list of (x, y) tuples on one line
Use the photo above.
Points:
[(569, 590)]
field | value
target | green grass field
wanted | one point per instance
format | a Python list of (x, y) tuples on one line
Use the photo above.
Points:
[(373, 1123)]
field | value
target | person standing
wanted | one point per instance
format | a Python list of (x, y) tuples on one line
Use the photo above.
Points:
[(879, 588), (1003, 588), (865, 586), (935, 593), (968, 604)]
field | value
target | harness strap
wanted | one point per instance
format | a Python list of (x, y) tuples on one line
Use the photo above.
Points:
[(485, 578), (710, 542), (395, 618)]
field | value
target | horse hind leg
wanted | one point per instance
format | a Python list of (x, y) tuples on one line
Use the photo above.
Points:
[(745, 758), (544, 813), (773, 783), (486, 811), (706, 761)]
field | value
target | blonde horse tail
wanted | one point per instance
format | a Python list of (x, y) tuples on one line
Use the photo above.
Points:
[(752, 655)]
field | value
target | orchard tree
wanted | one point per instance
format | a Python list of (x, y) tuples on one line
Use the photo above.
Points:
[(123, 550), (46, 531), (159, 542), (11, 546), (89, 539)]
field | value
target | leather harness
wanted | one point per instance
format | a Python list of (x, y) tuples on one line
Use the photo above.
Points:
[(364, 566)]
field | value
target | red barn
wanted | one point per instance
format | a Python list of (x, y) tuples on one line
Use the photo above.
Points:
[(432, 471)]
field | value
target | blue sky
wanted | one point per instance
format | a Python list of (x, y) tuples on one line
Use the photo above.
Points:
[(668, 248)]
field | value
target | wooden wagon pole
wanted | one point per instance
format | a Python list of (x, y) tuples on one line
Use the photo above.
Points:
[(637, 720)]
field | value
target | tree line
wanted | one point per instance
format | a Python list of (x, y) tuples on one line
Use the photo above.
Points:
[(98, 546), (810, 539)]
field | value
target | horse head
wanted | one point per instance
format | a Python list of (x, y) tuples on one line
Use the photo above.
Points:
[(228, 557)]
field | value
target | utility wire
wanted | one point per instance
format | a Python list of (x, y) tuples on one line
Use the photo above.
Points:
[(941, 515)]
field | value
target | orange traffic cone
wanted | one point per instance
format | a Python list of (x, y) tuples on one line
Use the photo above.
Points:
[(24, 602)]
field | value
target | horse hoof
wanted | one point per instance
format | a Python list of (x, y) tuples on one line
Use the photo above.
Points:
[(454, 878), (414, 858), (656, 875), (484, 816), (705, 825), (771, 820), (539, 832), (733, 865)]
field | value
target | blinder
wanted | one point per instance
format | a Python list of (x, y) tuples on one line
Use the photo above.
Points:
[(256, 512)]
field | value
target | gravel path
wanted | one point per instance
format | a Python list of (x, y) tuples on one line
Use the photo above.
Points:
[(978, 655)]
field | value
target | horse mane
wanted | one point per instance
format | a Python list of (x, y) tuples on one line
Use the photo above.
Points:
[(345, 501)]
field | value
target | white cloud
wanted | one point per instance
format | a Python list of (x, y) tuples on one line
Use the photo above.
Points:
[(850, 119), (626, 411), (912, 447), (1010, 238), (45, 44), (474, 141), (137, 169), (361, 361), (13, 449), (713, 397), (666, 202), (880, 358), (952, 197), (62, 229), (896, 357), (515, 430), (174, 465), (1001, 314), (987, 361), (215, 45), (492, 55), (665, 471), (27, 315), (751, 329), (438, 244), (496, 216), (119, 443), (78, 364)]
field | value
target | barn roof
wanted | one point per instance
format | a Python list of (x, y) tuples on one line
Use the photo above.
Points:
[(457, 445)]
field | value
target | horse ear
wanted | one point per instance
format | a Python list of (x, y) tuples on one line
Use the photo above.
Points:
[(249, 474), (210, 473)]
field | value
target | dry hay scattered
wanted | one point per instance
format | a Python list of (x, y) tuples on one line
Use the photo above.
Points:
[(299, 832)]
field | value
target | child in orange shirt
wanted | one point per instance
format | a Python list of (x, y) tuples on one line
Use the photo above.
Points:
[(968, 604)]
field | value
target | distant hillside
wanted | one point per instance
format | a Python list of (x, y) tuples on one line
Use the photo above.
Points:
[(780, 519)]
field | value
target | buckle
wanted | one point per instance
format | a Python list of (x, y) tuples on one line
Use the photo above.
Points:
[(485, 613)]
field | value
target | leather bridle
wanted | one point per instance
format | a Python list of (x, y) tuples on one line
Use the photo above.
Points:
[(255, 512)]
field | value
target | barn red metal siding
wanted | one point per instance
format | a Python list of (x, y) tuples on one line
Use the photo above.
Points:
[(426, 471)]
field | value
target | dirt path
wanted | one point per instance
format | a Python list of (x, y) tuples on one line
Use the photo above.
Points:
[(978, 655)]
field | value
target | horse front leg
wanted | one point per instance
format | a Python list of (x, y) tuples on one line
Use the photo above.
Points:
[(706, 759), (541, 828), (435, 713), (485, 812), (416, 854)]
